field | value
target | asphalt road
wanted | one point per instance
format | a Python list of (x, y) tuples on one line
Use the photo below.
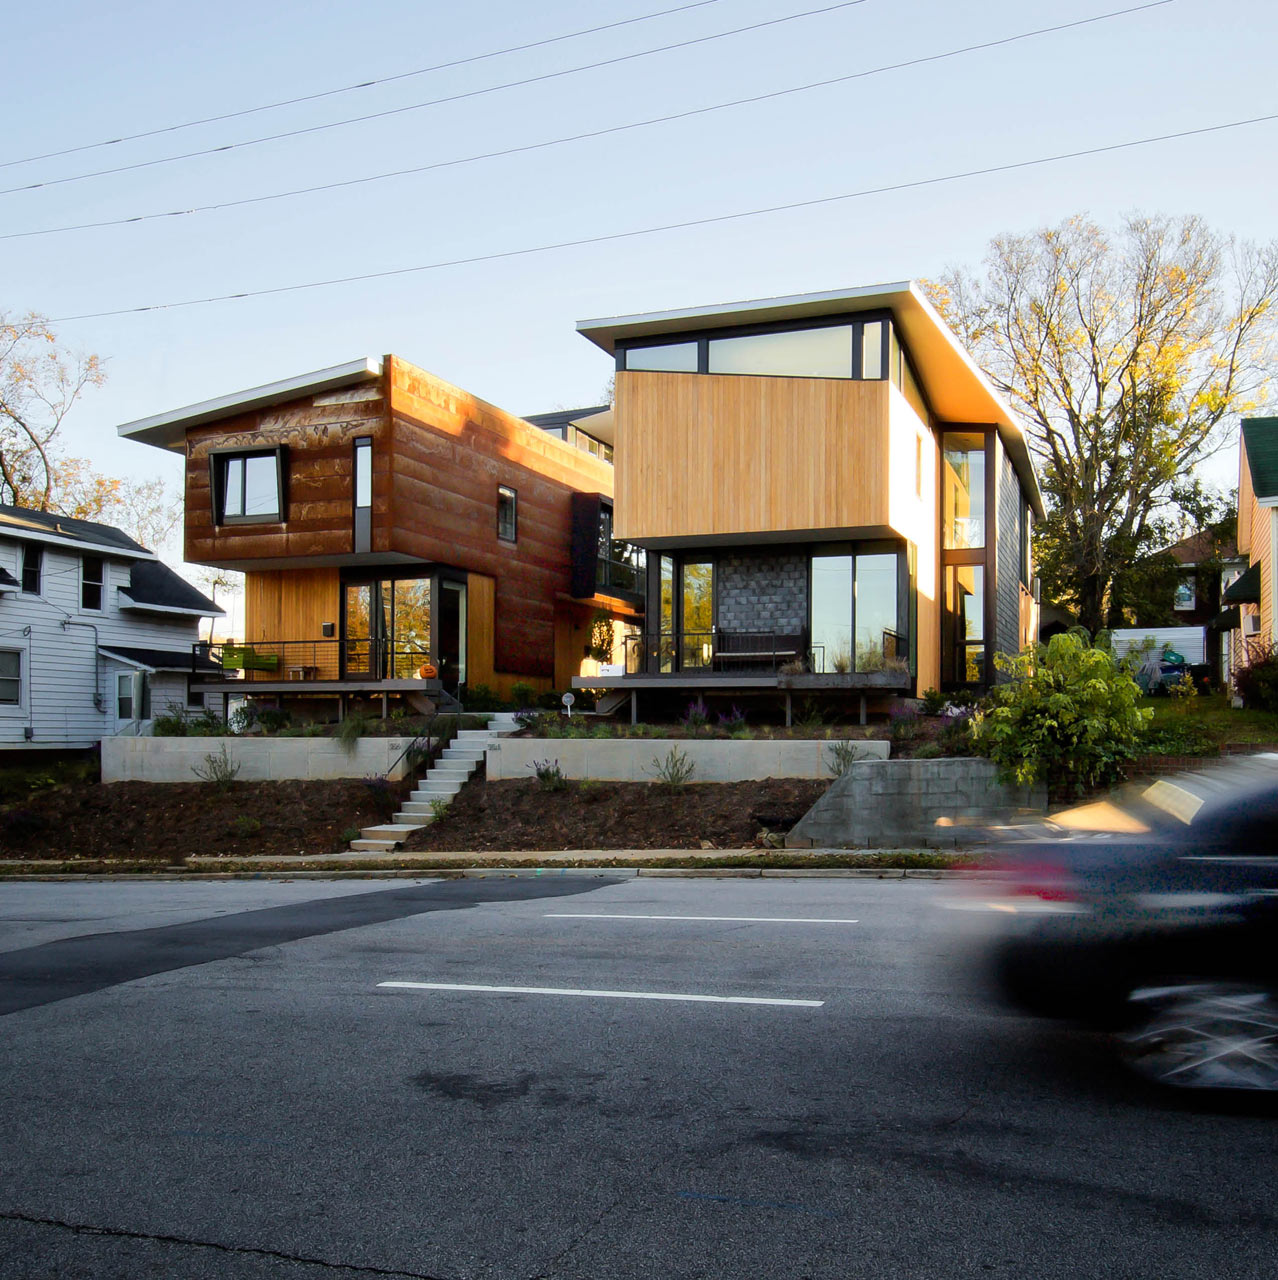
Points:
[(211, 1080)]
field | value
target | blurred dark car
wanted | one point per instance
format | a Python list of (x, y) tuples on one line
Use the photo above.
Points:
[(1153, 914)]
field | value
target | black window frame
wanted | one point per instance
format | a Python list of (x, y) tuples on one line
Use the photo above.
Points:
[(15, 680), (32, 568), (703, 337), (219, 460), (361, 512), (87, 584), (507, 500)]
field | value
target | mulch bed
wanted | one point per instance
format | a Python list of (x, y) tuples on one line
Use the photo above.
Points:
[(518, 815), (166, 822)]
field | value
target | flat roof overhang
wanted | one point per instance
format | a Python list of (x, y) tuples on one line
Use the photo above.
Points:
[(168, 430), (955, 387)]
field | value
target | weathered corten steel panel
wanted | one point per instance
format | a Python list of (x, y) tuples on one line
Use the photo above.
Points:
[(450, 452)]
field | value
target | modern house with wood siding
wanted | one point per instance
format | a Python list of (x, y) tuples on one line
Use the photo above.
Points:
[(398, 535), (833, 499), (96, 633)]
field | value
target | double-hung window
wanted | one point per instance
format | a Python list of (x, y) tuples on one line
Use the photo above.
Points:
[(92, 582), (248, 487), (32, 564), (10, 677)]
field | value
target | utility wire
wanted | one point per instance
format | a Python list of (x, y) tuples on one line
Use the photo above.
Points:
[(675, 226), (435, 102), (578, 137), (351, 88)]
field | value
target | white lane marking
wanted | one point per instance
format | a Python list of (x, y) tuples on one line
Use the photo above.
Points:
[(613, 995), (600, 915)]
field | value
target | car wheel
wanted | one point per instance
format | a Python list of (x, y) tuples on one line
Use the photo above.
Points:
[(1203, 1035)]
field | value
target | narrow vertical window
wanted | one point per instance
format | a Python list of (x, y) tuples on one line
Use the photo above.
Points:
[(507, 514), (124, 696), (32, 563), (363, 495), (91, 582), (918, 466), (872, 349)]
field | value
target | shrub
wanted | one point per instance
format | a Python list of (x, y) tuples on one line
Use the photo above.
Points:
[(955, 739), (697, 716), (674, 769), (170, 723), (352, 729), (273, 719), (381, 792), (732, 720), (438, 808), (934, 702), (351, 833), (1068, 717), (217, 769), (550, 777), (246, 825), (842, 756), (903, 725), (522, 694), (1257, 681), (1183, 689), (479, 697), (811, 718), (928, 751)]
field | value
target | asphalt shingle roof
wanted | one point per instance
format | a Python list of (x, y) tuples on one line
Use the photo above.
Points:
[(1260, 437), (155, 584), (17, 520), (164, 659)]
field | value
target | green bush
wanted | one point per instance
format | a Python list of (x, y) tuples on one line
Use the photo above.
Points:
[(1257, 682), (1068, 716), (479, 697), (933, 702), (673, 769), (352, 729), (522, 693), (1179, 738), (841, 758)]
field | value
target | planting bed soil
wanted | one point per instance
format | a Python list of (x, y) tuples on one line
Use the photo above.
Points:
[(518, 815), (165, 822)]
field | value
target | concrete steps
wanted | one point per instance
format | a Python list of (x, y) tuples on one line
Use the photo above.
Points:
[(444, 780)]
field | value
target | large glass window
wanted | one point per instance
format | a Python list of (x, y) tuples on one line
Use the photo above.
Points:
[(10, 677), (832, 613), (872, 349), (675, 357), (877, 636), (387, 628), (963, 625), (665, 646), (804, 353), (698, 614), (248, 486), (963, 490)]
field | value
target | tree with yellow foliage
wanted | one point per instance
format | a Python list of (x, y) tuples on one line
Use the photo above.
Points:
[(1127, 354)]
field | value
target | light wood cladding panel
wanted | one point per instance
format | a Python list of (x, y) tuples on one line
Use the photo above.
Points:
[(450, 452), (290, 604), (707, 455)]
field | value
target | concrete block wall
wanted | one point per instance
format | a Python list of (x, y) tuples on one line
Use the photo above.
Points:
[(893, 803), (631, 759), (259, 759), (762, 592)]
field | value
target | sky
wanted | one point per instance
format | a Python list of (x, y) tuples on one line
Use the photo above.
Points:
[(82, 73)]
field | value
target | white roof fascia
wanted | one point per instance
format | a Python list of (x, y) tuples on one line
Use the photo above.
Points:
[(108, 652), (134, 607), (168, 430), (103, 549)]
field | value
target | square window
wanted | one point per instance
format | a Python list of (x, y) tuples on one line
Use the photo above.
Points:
[(10, 677), (507, 515), (92, 578), (248, 486)]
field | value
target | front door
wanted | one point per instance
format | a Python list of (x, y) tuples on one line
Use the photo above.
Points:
[(366, 630), (452, 634)]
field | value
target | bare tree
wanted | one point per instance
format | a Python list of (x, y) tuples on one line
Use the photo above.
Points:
[(1126, 354), (40, 381)]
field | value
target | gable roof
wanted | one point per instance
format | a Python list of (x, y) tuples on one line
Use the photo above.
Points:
[(155, 588), (1260, 440), (1203, 545), (8, 582), (955, 387), (88, 535)]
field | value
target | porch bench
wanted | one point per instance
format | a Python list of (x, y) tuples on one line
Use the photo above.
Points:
[(244, 658), (738, 647)]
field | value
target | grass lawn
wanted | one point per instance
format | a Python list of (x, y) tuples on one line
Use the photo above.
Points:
[(1215, 717)]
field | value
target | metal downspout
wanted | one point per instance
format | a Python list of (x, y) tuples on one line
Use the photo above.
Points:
[(99, 699)]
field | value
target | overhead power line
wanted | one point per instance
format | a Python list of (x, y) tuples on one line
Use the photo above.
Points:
[(352, 88), (716, 219), (580, 137), (435, 102)]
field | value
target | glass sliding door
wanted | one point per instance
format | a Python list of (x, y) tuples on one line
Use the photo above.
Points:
[(366, 630), (697, 649), (411, 629), (878, 636), (832, 613)]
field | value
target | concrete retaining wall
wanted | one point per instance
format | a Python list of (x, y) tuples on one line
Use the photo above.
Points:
[(892, 803), (259, 759), (631, 759)]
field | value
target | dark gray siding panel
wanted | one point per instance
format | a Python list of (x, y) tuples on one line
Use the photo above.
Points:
[(1007, 605)]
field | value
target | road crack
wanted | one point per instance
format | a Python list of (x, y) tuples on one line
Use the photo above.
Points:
[(119, 1233)]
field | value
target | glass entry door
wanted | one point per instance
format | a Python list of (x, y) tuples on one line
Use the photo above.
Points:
[(366, 630), (452, 634)]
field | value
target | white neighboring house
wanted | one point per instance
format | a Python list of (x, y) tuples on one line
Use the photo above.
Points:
[(96, 634)]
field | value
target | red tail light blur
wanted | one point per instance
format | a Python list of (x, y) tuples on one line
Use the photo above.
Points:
[(1047, 881)]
